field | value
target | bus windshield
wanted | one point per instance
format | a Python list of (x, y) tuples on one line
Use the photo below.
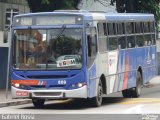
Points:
[(47, 48)]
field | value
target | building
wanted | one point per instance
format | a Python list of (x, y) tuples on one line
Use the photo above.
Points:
[(18, 7)]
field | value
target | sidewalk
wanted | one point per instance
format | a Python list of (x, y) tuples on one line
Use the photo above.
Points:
[(11, 102)]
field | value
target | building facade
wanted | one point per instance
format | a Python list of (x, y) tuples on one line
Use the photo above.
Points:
[(18, 7)]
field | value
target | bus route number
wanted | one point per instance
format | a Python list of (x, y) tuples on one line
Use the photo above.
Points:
[(61, 82)]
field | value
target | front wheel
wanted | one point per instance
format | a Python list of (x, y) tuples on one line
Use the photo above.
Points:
[(38, 103), (97, 101)]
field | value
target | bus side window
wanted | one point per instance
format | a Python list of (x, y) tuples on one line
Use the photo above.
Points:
[(122, 42), (139, 40), (89, 45), (120, 28), (131, 41), (112, 43), (153, 39), (92, 43), (111, 28), (139, 28), (147, 39), (146, 27), (152, 27)]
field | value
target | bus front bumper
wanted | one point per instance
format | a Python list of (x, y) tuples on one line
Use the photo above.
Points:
[(49, 94)]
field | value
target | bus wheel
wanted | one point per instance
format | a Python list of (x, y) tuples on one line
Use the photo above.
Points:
[(137, 90), (97, 101), (38, 103), (127, 93)]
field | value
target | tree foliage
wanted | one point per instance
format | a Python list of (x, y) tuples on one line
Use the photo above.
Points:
[(51, 5)]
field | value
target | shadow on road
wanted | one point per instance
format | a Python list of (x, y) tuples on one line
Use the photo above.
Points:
[(75, 104)]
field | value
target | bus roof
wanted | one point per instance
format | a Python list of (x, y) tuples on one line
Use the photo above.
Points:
[(96, 15)]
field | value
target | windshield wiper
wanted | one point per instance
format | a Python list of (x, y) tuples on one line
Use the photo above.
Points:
[(60, 33)]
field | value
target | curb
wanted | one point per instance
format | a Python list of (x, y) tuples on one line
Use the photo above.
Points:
[(14, 103)]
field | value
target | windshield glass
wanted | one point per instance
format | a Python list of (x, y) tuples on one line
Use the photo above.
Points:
[(47, 49)]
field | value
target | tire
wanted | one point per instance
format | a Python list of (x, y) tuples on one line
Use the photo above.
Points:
[(97, 101), (38, 103), (137, 90), (127, 93)]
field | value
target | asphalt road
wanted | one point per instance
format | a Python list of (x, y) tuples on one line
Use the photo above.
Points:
[(148, 103)]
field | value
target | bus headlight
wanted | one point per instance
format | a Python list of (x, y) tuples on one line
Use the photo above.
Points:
[(81, 84), (17, 85)]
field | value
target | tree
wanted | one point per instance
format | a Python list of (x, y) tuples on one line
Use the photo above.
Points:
[(51, 5)]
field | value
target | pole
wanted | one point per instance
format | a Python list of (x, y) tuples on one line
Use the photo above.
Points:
[(9, 54)]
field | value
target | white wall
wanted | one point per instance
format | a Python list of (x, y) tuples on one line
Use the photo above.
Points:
[(96, 5)]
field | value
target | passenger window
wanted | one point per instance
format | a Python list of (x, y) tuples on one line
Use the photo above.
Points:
[(139, 41), (153, 39), (130, 28), (146, 27), (122, 42), (139, 27), (92, 43), (112, 43), (147, 40), (152, 27), (111, 28), (120, 28), (131, 41)]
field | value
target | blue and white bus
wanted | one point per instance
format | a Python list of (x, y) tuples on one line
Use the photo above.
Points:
[(80, 54)]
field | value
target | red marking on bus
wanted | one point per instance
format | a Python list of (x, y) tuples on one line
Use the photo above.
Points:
[(25, 82), (126, 74)]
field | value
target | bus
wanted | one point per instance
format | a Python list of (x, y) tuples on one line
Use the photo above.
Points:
[(80, 54)]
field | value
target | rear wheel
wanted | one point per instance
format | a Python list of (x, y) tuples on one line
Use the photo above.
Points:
[(137, 90), (38, 103), (97, 101)]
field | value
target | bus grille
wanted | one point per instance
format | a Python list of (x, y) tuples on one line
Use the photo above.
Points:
[(47, 94)]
